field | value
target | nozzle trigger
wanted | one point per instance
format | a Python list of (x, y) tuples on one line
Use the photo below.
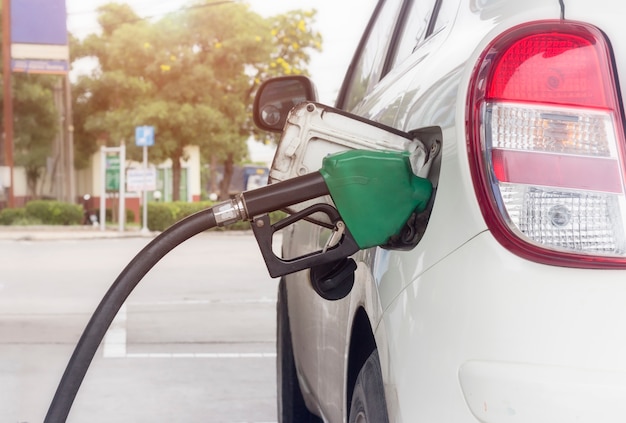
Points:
[(334, 239), (340, 244)]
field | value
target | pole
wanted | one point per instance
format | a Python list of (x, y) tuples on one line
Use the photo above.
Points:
[(60, 143), (145, 191), (122, 205), (8, 95), (69, 128), (103, 187)]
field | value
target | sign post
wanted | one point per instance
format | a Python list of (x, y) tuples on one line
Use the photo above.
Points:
[(113, 178), (144, 137), (112, 172)]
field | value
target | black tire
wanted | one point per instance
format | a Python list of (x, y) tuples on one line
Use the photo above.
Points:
[(368, 399), (291, 407)]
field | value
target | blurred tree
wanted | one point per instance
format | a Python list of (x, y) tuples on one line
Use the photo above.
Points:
[(35, 125), (191, 75), (243, 52), (293, 38)]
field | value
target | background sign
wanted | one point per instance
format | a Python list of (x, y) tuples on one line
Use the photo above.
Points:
[(144, 136), (39, 42), (140, 180), (112, 175)]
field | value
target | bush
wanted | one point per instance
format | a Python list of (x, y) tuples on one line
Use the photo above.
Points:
[(160, 216), (12, 216), (55, 212), (108, 215), (163, 215)]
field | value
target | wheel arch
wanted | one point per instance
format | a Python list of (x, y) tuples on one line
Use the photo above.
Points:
[(362, 344)]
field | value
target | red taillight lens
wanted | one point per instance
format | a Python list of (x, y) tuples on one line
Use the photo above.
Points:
[(553, 67), (546, 145)]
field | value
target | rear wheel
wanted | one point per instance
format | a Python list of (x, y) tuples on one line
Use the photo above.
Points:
[(291, 407), (368, 398)]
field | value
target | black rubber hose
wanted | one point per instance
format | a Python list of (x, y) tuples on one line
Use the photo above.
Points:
[(111, 303), (286, 193)]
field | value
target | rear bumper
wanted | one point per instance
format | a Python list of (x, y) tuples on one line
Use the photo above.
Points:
[(485, 334), (500, 392)]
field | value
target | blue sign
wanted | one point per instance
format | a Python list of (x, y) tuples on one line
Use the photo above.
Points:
[(38, 22), (144, 136), (39, 40), (40, 66)]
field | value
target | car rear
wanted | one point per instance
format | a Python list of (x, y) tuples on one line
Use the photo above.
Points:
[(512, 305)]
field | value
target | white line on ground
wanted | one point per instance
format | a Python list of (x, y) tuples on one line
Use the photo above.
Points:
[(115, 339), (200, 302), (114, 344), (200, 355)]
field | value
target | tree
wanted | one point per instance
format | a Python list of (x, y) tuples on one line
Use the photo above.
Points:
[(145, 77), (293, 38), (35, 125), (242, 59), (190, 75)]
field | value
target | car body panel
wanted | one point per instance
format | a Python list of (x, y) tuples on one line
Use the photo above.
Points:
[(457, 318), (541, 316)]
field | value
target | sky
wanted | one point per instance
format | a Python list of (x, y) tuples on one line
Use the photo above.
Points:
[(340, 23)]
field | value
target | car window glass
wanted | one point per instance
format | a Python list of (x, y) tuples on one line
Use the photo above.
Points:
[(368, 66), (414, 28), (445, 14)]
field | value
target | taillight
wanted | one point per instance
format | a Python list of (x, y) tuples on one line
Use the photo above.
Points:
[(546, 145)]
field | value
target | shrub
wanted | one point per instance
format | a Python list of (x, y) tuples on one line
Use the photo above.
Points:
[(163, 215), (184, 209), (108, 215), (55, 212), (12, 216), (160, 216)]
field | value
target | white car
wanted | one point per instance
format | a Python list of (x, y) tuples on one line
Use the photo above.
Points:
[(504, 301)]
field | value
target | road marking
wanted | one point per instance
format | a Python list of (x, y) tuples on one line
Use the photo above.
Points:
[(200, 355), (115, 339), (263, 300), (114, 344)]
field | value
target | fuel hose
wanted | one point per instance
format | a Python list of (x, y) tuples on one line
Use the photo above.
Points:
[(248, 204), (374, 192)]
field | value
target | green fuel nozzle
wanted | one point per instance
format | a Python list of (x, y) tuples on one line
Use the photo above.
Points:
[(374, 192)]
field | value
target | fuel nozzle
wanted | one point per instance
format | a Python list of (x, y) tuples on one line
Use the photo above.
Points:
[(374, 193)]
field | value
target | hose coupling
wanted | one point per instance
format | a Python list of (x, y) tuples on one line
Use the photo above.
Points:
[(230, 211)]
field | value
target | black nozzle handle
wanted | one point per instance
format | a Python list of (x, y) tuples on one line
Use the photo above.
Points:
[(283, 194), (276, 266)]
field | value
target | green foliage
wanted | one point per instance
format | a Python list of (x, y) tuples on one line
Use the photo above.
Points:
[(108, 215), (13, 216), (191, 75), (36, 123), (163, 215), (55, 212), (43, 212), (160, 216)]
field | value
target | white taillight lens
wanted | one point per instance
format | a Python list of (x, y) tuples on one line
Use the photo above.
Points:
[(546, 145)]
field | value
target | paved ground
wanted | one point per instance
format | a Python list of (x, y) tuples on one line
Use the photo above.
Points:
[(195, 342), (25, 233)]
